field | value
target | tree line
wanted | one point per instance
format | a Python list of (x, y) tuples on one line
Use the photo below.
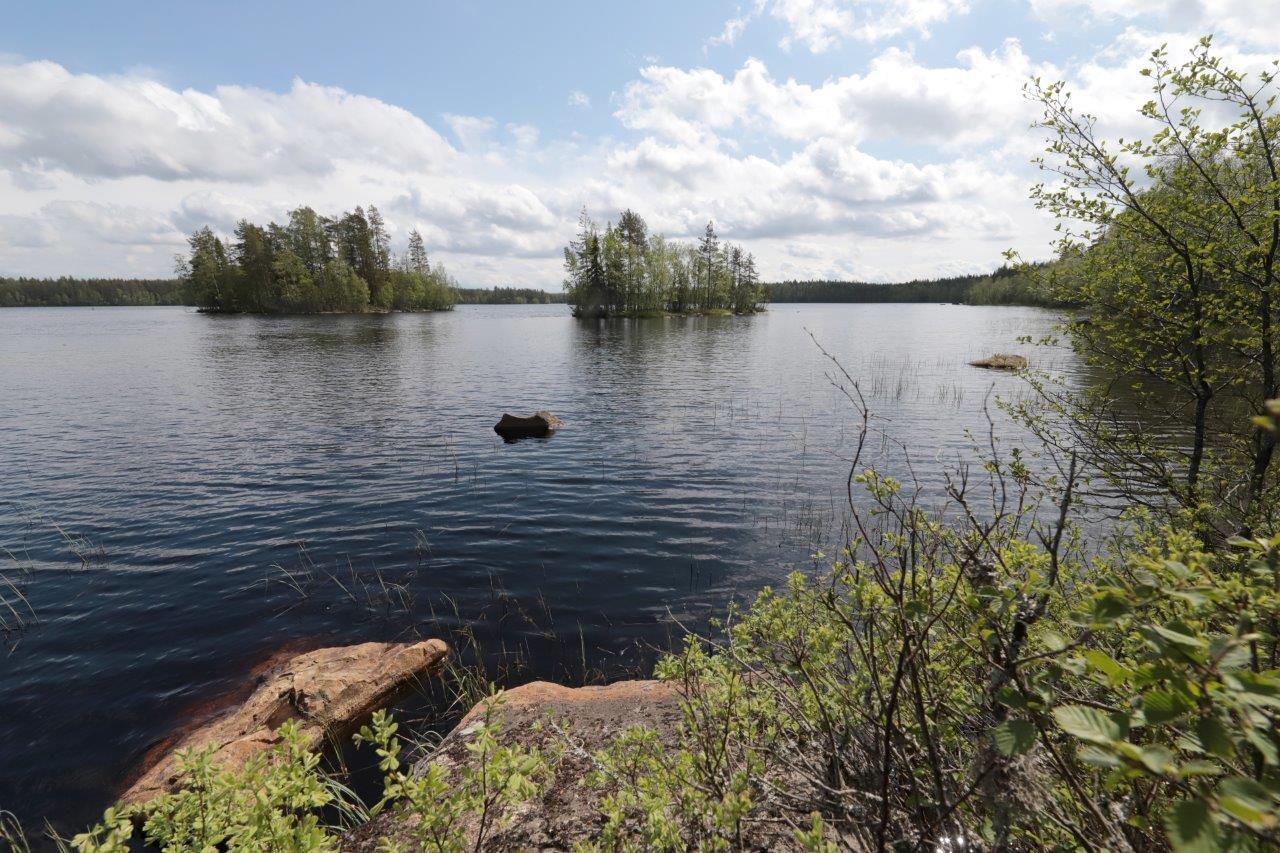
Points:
[(66, 291), (1006, 286), (312, 264), (624, 270), (507, 296)]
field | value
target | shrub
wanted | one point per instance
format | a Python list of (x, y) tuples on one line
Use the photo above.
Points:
[(278, 800)]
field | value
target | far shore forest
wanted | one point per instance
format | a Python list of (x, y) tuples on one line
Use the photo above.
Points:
[(1005, 286)]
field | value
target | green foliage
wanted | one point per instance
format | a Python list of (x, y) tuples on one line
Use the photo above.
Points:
[(934, 689), (1005, 286), (626, 271), (312, 264), (422, 291), (273, 802), (1183, 687), (454, 813), (508, 296), (1169, 240), (278, 801), (39, 292)]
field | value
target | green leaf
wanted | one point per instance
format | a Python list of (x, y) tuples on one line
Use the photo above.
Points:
[(1264, 745), (1191, 828), (1247, 801), (1160, 706), (1158, 759), (1053, 641), (1109, 605), (1088, 724), (1105, 664), (1014, 737), (1179, 638), (1213, 736)]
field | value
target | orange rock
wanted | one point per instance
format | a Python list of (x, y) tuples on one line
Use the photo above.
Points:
[(327, 691)]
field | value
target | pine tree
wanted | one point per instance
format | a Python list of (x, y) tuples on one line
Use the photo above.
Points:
[(709, 252), (635, 239), (415, 258)]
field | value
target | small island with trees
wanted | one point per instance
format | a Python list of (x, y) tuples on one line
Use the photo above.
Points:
[(313, 264), (626, 272)]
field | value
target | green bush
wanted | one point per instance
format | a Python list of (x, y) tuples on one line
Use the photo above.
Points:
[(952, 686), (278, 801)]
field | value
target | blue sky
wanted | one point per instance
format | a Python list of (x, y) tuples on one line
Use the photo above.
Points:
[(873, 139)]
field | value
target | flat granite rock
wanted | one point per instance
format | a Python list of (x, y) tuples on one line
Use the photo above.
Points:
[(1001, 361), (327, 691)]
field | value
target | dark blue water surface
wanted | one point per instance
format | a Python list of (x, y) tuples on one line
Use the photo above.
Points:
[(183, 495)]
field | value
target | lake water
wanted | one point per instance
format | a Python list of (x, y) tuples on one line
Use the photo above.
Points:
[(183, 495)]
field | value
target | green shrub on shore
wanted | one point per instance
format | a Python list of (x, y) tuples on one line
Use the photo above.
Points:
[(936, 692), (281, 800)]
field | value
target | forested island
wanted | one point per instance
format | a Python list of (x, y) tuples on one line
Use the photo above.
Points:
[(313, 264), (625, 271)]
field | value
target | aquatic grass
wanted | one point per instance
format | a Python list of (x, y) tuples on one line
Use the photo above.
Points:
[(88, 552), (12, 835), (16, 611)]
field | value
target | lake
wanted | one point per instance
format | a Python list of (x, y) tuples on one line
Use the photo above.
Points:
[(183, 495)]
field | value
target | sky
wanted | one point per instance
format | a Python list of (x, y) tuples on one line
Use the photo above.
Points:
[(875, 140)]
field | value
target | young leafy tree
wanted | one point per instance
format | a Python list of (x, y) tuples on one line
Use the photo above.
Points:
[(307, 235), (615, 273), (296, 286), (1175, 239)]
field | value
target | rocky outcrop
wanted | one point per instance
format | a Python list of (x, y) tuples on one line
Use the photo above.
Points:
[(537, 424), (570, 722), (328, 691), (1001, 361)]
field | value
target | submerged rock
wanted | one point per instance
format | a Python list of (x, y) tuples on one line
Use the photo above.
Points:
[(1001, 361), (539, 423), (571, 722), (328, 691)]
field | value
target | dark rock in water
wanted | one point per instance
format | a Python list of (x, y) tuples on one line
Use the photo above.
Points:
[(539, 423)]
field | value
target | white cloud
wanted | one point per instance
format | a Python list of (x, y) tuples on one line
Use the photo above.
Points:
[(734, 28), (895, 98), (112, 127), (578, 98), (471, 131), (819, 25), (1249, 21)]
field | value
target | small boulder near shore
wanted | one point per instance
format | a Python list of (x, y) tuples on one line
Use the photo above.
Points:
[(1001, 361), (328, 691), (537, 424)]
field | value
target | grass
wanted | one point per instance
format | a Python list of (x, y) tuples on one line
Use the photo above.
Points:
[(16, 611)]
